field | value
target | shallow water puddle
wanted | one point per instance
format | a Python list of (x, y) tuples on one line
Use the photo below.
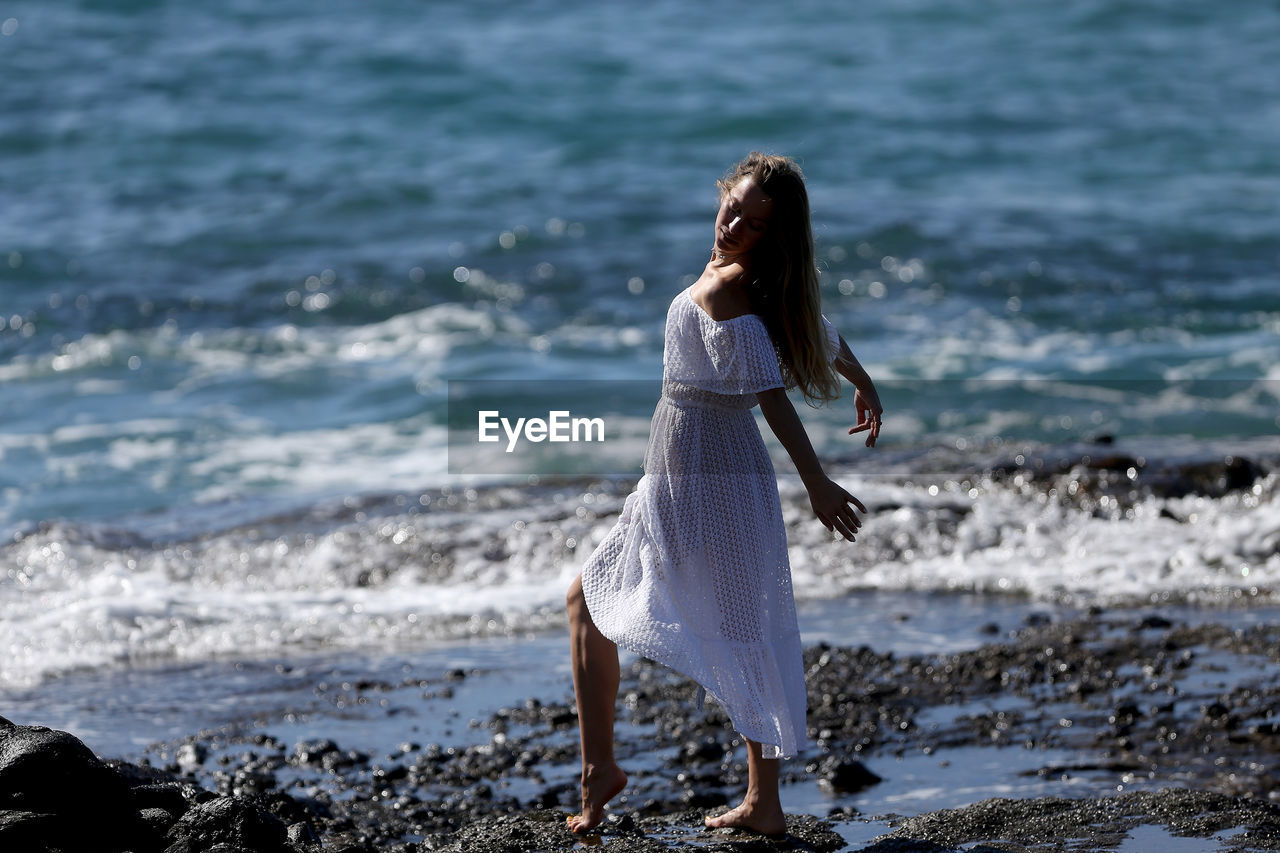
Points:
[(1214, 672), (859, 832), (1148, 837), (916, 782)]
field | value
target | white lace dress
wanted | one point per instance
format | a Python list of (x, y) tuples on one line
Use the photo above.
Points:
[(695, 574)]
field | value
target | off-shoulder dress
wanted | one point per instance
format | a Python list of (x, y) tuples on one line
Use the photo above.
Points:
[(695, 573)]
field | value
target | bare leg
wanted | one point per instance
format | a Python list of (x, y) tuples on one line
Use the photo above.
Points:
[(761, 808), (595, 684)]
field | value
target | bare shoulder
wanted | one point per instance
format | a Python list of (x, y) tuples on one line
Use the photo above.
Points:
[(722, 297)]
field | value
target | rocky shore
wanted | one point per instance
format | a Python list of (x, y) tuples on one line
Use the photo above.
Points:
[(1169, 731)]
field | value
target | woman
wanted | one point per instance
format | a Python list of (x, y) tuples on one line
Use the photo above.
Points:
[(695, 574)]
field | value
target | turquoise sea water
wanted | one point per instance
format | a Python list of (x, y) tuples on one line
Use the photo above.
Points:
[(246, 248)]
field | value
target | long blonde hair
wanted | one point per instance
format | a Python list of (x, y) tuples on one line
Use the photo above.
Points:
[(784, 288)]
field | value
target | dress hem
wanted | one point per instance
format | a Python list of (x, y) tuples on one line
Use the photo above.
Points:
[(766, 744)]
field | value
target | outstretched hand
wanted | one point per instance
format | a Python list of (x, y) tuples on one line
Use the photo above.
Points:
[(835, 508), (869, 413)]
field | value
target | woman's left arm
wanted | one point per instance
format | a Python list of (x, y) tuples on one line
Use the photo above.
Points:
[(866, 402), (831, 503)]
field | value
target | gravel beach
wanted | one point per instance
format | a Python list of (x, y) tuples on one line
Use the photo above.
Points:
[(1116, 730)]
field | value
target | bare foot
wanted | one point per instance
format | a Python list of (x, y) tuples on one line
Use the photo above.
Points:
[(599, 786), (752, 817)]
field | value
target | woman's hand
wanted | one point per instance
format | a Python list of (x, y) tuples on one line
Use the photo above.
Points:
[(835, 507), (867, 405)]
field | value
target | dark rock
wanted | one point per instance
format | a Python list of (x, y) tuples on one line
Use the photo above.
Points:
[(705, 750), (1215, 478), (49, 772), (23, 830), (169, 796), (354, 847), (153, 827), (562, 719), (245, 781), (314, 751), (1214, 711), (659, 833), (302, 834), (157, 819), (1239, 473), (532, 833), (846, 776), (191, 756), (1114, 462), (481, 792), (394, 773), (227, 820), (913, 845), (550, 797), (40, 767), (1091, 824), (135, 775), (289, 810)]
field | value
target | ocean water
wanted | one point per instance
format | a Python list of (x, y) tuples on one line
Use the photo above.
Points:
[(248, 251)]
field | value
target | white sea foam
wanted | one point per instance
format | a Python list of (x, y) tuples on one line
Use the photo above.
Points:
[(414, 569), (408, 341), (997, 540)]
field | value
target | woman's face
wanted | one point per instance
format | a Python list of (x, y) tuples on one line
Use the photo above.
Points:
[(743, 218)]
